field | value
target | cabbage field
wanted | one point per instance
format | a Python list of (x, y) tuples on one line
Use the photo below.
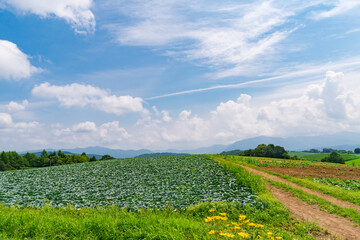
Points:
[(148, 182)]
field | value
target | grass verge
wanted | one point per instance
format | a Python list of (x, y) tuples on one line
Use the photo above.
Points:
[(341, 194), (274, 214), (324, 205)]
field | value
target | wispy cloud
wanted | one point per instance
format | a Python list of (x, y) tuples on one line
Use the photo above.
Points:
[(222, 35), (337, 7)]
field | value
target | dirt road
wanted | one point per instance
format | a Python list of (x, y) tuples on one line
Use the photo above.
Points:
[(337, 226)]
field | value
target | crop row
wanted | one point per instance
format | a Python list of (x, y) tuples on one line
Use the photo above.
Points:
[(343, 184)]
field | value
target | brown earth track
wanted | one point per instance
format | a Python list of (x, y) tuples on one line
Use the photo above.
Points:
[(310, 191), (332, 172), (336, 225)]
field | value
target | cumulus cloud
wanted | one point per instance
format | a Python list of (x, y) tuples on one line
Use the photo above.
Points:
[(14, 64), (84, 127), (7, 124), (88, 133), (5, 120), (75, 12), (327, 107), (83, 95), (14, 106)]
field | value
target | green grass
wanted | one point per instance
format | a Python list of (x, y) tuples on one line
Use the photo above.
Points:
[(341, 194), (349, 213), (354, 163), (274, 213), (319, 156), (299, 154), (112, 223)]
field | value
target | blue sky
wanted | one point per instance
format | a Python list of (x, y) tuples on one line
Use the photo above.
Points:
[(175, 74)]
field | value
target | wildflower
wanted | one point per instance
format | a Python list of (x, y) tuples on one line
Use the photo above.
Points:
[(252, 224), (278, 237), (259, 225), (244, 235), (246, 221), (212, 232), (259, 236), (229, 235), (212, 210), (236, 227), (223, 214), (224, 218), (242, 217)]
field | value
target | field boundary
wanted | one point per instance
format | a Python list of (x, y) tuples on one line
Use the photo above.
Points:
[(345, 196)]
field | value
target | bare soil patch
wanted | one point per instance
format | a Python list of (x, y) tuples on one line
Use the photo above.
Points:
[(318, 172)]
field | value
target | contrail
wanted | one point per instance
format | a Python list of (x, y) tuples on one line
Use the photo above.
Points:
[(237, 85), (313, 70)]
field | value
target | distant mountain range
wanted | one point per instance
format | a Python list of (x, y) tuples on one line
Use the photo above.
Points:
[(344, 141), (340, 141)]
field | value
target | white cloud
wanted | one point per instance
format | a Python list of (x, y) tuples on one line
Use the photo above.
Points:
[(327, 106), (88, 133), (14, 106), (7, 124), (227, 35), (338, 7), (75, 12), (5, 120), (84, 127), (330, 106), (14, 64), (82, 95)]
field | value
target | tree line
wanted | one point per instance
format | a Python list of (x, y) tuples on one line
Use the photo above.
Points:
[(12, 160)]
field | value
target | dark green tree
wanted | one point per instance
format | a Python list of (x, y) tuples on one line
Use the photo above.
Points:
[(357, 150), (106, 157), (334, 158)]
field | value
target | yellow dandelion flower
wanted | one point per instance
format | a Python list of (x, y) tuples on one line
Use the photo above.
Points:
[(278, 237), (212, 210), (269, 233), (229, 235), (252, 224), (236, 227), (244, 235), (223, 214), (259, 225), (242, 217), (246, 221), (212, 232), (259, 236)]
